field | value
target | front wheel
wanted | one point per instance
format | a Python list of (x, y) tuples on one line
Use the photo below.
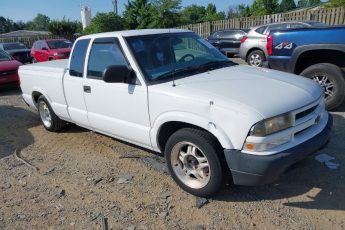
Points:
[(194, 162), (331, 78)]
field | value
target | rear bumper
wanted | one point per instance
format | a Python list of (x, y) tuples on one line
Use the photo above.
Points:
[(253, 170), (230, 50)]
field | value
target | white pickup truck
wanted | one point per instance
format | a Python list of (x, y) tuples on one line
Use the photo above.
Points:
[(170, 91)]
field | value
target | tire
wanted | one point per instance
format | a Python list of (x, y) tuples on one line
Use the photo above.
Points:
[(33, 60), (50, 121), (256, 58), (185, 168), (331, 78)]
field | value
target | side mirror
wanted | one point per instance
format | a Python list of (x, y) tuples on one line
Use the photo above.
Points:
[(118, 74)]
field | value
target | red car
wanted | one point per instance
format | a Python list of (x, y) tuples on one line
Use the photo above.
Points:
[(8, 70), (51, 49)]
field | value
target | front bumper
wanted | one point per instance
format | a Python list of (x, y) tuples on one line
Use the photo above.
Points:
[(247, 169)]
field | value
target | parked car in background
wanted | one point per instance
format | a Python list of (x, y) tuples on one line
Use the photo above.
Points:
[(17, 50), (316, 53), (51, 49), (8, 70), (228, 41), (253, 45)]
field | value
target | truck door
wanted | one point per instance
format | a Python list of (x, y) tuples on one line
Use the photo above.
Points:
[(117, 109), (73, 84)]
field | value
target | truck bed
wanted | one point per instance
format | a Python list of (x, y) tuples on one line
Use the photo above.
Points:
[(46, 78)]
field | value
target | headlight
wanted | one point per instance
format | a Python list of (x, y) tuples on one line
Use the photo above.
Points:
[(271, 125)]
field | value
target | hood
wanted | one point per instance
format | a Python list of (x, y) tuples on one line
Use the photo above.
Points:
[(17, 51), (9, 65), (268, 92)]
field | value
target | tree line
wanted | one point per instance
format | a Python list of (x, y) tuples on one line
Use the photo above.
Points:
[(42, 23), (139, 14)]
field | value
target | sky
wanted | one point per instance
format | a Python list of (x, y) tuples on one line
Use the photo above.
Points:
[(25, 10)]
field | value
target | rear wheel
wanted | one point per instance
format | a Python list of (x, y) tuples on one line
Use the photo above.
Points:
[(49, 119), (193, 159), (331, 78), (256, 58), (33, 60)]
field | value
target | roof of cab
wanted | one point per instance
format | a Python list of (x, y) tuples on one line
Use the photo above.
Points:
[(129, 33)]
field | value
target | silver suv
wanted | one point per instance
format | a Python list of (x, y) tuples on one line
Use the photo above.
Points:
[(253, 46)]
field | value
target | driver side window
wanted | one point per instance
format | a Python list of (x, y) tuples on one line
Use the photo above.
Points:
[(104, 52)]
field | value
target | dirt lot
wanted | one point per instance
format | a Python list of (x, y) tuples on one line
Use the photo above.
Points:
[(83, 176)]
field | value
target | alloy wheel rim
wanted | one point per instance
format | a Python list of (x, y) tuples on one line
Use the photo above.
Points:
[(190, 165), (326, 83), (45, 114), (255, 60)]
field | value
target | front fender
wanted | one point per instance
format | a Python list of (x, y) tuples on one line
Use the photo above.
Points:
[(192, 119)]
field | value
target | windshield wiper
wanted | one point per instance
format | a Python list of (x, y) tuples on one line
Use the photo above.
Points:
[(179, 71), (215, 64), (192, 69)]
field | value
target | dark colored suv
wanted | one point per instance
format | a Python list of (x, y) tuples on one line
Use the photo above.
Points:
[(228, 41)]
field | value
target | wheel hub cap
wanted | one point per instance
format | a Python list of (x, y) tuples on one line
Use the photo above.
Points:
[(45, 114), (255, 60), (190, 165)]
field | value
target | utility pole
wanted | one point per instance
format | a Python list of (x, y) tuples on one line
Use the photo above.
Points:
[(115, 6)]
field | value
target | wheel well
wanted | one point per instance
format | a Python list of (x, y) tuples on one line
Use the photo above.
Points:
[(168, 128), (253, 49), (35, 96), (313, 57), (51, 58)]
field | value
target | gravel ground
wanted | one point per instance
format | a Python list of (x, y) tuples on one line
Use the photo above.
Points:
[(82, 178)]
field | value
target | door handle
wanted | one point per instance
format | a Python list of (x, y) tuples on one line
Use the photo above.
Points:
[(87, 89)]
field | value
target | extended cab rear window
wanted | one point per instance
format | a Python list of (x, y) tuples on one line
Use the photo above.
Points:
[(76, 68)]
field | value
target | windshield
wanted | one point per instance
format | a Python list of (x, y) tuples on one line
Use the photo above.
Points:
[(4, 56), (163, 57), (14, 46), (59, 44)]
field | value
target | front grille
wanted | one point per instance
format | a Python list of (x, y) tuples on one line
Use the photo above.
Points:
[(7, 73), (305, 112)]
